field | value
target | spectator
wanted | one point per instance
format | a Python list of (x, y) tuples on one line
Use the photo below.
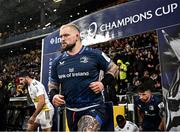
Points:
[(4, 101), (124, 125), (122, 77)]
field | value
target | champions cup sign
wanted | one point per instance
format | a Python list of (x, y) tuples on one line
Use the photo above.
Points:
[(160, 11), (128, 19)]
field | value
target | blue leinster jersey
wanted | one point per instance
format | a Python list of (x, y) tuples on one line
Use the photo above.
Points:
[(150, 111), (75, 73)]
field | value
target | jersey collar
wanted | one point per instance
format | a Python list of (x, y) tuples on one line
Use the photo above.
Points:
[(80, 52)]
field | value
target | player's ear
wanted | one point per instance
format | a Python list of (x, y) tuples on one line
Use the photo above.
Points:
[(77, 35)]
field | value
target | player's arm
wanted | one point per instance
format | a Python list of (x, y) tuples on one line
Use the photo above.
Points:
[(113, 69), (40, 105), (110, 74), (53, 89), (54, 96), (108, 79), (140, 118), (140, 115), (161, 125)]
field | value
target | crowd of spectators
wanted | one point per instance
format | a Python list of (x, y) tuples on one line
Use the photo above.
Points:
[(11, 64), (140, 54)]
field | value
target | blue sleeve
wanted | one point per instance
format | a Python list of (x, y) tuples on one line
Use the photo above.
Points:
[(53, 75), (158, 99)]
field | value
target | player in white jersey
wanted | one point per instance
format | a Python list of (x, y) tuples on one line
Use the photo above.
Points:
[(44, 110), (124, 125)]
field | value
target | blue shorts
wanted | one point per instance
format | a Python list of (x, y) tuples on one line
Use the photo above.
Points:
[(97, 112)]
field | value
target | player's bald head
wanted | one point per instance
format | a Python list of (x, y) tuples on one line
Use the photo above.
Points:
[(72, 26)]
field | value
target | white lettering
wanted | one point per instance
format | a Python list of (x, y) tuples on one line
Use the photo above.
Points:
[(166, 10), (113, 25), (120, 23), (136, 18), (62, 76), (157, 12), (102, 28), (68, 75), (149, 15), (173, 6), (80, 74), (108, 26), (125, 21), (76, 74), (160, 11)]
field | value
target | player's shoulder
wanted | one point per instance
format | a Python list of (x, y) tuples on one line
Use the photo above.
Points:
[(60, 57), (92, 50), (36, 82), (131, 123), (156, 99), (131, 126)]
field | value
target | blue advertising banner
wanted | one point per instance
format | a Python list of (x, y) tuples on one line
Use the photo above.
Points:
[(128, 19), (118, 22), (123, 20), (46, 69), (52, 43)]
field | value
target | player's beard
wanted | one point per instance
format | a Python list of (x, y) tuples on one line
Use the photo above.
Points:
[(68, 47), (25, 84)]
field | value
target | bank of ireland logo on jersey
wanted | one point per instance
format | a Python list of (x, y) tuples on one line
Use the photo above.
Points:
[(84, 59), (71, 69)]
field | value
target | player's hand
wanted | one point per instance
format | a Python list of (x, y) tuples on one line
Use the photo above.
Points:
[(97, 86), (31, 120), (58, 100), (140, 128)]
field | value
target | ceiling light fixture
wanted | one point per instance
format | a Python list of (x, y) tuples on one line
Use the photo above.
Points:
[(57, 0), (47, 24)]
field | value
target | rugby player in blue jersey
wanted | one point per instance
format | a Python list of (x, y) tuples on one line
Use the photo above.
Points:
[(149, 108), (76, 71)]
